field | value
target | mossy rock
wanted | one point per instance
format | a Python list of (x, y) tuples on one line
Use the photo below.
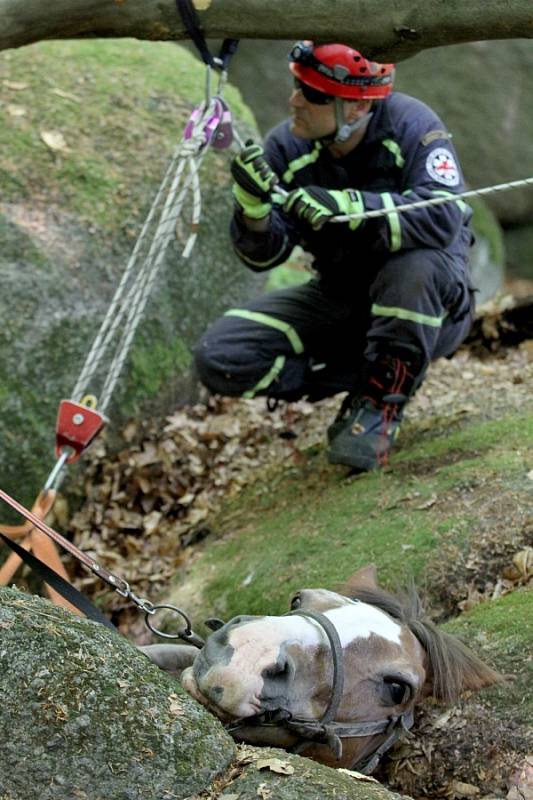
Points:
[(481, 91), (91, 717), (519, 251), (71, 211)]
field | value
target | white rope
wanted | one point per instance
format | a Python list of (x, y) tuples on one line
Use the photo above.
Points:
[(433, 201), (130, 298)]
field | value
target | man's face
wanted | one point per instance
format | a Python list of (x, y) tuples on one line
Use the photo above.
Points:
[(310, 120)]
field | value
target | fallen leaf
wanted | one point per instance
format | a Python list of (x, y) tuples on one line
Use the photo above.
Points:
[(461, 789), (54, 140), (16, 111), (66, 95), (428, 504), (523, 561), (357, 775), (521, 782), (275, 765), (15, 86), (264, 792), (176, 708)]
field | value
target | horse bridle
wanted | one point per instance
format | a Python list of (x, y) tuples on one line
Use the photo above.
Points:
[(325, 730)]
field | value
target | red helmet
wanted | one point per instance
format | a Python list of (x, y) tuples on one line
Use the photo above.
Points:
[(338, 70)]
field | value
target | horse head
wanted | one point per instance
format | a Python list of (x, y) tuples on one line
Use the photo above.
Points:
[(336, 678)]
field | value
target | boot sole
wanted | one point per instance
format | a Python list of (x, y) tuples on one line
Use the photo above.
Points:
[(362, 464)]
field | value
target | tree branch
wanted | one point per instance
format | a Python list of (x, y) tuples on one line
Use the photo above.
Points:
[(387, 30)]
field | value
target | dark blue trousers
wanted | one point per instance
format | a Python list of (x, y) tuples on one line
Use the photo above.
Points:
[(311, 341)]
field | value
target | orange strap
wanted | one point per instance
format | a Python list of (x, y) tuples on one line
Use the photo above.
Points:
[(41, 545)]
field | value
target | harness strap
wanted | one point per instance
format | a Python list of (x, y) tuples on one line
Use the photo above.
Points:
[(63, 587), (189, 17), (397, 725), (338, 663)]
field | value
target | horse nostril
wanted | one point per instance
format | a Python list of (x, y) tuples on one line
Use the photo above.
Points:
[(215, 693), (277, 671)]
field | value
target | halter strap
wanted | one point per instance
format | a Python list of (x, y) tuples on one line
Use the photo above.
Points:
[(338, 663), (325, 730)]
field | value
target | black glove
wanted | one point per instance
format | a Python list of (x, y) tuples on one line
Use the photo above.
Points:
[(254, 181), (316, 205)]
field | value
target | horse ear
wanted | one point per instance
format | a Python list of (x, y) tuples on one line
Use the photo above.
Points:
[(364, 578)]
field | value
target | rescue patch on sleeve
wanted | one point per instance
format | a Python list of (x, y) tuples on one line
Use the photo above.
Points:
[(442, 167), (432, 136)]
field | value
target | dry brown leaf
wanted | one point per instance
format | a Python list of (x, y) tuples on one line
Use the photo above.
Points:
[(176, 707), (523, 561), (275, 765), (427, 504), (264, 791), (460, 789), (66, 95), (521, 782)]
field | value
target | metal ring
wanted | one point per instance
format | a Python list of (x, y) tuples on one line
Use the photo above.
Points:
[(185, 634)]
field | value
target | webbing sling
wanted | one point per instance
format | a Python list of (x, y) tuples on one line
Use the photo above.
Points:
[(63, 587), (190, 19)]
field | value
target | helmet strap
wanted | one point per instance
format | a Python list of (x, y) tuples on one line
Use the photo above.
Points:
[(344, 128)]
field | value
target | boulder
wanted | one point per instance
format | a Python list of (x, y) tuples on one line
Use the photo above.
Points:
[(519, 251), (89, 716), (84, 151)]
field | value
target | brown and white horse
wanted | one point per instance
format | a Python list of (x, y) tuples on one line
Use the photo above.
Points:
[(336, 678)]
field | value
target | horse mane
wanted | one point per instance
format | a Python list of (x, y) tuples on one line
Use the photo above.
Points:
[(453, 667)]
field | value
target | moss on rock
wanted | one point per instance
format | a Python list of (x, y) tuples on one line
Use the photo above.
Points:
[(306, 780), (89, 716)]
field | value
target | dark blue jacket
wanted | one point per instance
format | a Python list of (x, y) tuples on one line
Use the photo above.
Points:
[(405, 155)]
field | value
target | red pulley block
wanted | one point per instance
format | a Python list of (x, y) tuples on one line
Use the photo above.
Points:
[(76, 427)]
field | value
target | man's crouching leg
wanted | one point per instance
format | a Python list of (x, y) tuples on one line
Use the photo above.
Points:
[(247, 354), (421, 309)]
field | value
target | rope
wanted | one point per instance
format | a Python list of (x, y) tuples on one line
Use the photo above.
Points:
[(130, 298), (433, 201)]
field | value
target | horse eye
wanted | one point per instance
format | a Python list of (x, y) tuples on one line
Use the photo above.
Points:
[(296, 602), (396, 692)]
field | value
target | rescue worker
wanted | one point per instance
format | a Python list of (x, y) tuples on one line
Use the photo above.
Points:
[(390, 293)]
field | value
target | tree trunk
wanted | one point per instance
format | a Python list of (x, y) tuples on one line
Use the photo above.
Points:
[(384, 30)]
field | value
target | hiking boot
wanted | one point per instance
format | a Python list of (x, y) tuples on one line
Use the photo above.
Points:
[(368, 423)]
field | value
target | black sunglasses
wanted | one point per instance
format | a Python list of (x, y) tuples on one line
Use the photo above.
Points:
[(313, 95)]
